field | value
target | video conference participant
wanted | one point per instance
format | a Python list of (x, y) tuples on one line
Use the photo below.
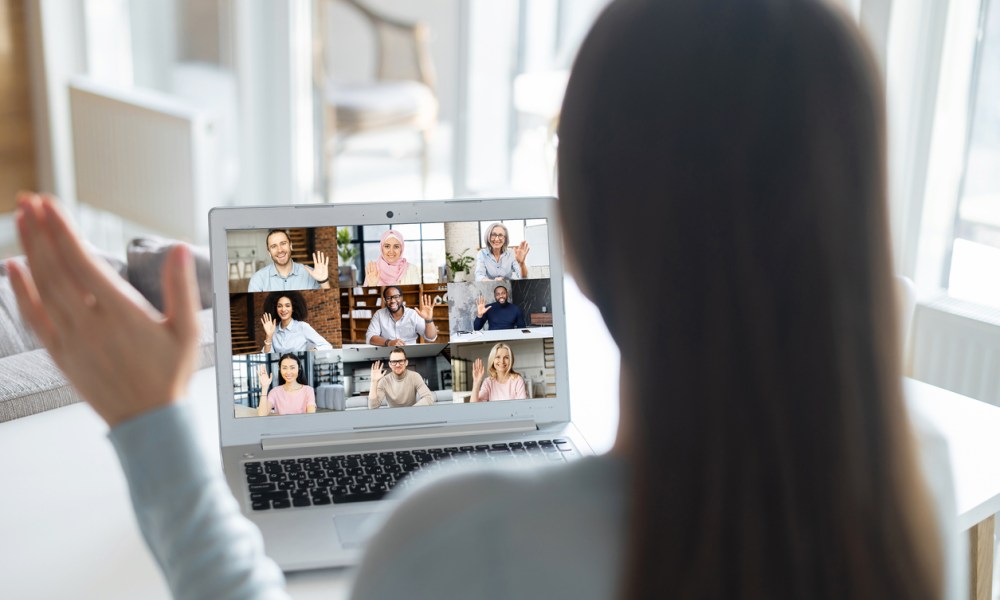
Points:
[(504, 383), (496, 262), (400, 387), (285, 329), (500, 314), (391, 268), (293, 396), (284, 273), (397, 325)]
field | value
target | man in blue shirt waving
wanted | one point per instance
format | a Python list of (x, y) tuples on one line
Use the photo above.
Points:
[(500, 314)]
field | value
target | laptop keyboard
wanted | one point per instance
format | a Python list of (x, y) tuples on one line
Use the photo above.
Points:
[(322, 480)]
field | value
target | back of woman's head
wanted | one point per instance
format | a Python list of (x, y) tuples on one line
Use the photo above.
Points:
[(728, 156)]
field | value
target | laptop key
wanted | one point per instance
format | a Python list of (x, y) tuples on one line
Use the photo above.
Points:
[(302, 501), (359, 497), (281, 503), (262, 487), (261, 505)]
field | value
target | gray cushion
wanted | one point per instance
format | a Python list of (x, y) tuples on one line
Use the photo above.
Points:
[(30, 382), (145, 266), (15, 337)]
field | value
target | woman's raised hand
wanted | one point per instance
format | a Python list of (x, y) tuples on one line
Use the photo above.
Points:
[(478, 372), (371, 273), (270, 325), (521, 251), (123, 356), (264, 377)]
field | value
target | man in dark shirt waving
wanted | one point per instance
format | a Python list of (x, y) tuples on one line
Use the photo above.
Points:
[(500, 314)]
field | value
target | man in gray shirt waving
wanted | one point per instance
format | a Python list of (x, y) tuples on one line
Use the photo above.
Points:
[(399, 387)]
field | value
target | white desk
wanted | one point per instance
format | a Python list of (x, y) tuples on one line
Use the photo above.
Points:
[(972, 429), (503, 335), (67, 529)]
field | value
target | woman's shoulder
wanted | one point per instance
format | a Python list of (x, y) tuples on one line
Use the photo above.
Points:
[(483, 521)]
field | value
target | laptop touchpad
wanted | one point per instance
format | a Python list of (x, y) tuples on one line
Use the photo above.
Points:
[(354, 530)]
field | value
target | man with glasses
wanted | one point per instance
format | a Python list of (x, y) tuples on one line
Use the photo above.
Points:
[(396, 325), (399, 387)]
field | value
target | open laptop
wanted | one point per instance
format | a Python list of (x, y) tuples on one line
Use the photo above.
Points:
[(317, 425)]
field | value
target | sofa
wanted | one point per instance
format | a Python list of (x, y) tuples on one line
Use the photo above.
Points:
[(30, 382)]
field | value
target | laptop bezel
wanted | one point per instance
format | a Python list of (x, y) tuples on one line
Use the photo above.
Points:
[(251, 430)]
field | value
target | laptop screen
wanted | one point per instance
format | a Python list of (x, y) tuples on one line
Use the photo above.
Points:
[(386, 317)]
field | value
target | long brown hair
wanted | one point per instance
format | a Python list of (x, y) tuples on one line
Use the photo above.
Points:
[(733, 152)]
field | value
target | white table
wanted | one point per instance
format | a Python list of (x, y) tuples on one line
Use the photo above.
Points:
[(67, 529), (972, 429), (503, 335)]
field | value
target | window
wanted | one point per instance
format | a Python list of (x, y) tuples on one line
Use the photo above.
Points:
[(973, 272)]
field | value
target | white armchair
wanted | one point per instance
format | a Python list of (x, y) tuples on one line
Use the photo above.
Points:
[(401, 96)]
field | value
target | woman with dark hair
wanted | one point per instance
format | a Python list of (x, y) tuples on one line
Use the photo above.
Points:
[(285, 329), (292, 396), (763, 447)]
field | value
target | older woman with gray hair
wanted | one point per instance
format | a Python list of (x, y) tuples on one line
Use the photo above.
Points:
[(497, 261)]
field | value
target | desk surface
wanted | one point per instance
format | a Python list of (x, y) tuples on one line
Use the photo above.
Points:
[(506, 335), (69, 530), (972, 429)]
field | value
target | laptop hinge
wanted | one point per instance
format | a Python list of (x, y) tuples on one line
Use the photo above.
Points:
[(396, 435)]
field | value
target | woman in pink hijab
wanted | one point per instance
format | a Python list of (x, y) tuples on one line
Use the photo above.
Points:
[(391, 268)]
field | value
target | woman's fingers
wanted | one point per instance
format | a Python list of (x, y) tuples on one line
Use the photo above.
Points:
[(31, 306), (60, 299), (77, 265), (180, 294)]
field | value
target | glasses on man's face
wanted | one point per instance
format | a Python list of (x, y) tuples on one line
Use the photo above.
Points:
[(393, 297), (396, 363), (497, 236)]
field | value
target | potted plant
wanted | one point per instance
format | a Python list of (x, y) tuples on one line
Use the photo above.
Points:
[(347, 270), (459, 266)]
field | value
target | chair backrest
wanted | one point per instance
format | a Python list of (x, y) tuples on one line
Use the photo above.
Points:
[(402, 50)]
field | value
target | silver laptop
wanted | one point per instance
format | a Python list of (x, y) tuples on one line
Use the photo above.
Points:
[(320, 413)]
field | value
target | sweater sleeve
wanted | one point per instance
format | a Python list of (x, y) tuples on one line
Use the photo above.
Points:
[(519, 319), (425, 397), (191, 522)]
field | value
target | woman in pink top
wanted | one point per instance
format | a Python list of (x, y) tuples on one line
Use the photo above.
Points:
[(293, 397), (504, 383)]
